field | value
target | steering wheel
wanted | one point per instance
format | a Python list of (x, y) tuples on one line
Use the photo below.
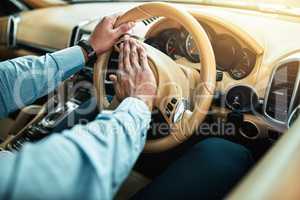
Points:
[(177, 84)]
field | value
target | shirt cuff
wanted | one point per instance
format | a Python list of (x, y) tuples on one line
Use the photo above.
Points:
[(70, 60), (134, 105), (136, 108)]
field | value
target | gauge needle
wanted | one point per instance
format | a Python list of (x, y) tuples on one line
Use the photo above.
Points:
[(193, 50), (172, 50)]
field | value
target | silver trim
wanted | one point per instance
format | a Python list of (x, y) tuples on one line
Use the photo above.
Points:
[(285, 61), (297, 83), (248, 137), (179, 111), (11, 31), (65, 110), (291, 116), (77, 30), (15, 19), (19, 5)]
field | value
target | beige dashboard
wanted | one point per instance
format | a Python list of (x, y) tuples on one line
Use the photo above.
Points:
[(271, 37)]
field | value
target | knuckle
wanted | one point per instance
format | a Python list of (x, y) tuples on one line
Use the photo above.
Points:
[(137, 65), (106, 18), (127, 66), (142, 49), (143, 56), (124, 28), (133, 53)]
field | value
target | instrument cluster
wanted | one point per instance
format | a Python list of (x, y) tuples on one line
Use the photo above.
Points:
[(231, 56)]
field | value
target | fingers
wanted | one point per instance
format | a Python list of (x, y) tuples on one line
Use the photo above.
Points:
[(143, 60), (111, 18), (134, 57), (121, 57), (123, 29), (126, 57), (134, 77), (120, 30), (114, 18), (108, 21)]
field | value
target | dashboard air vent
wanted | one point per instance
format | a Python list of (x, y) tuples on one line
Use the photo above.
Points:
[(149, 21), (282, 91), (112, 67)]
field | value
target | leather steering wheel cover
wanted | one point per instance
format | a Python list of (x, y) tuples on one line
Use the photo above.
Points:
[(190, 121)]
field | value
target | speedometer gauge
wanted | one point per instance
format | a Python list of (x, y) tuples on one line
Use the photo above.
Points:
[(191, 49), (188, 46)]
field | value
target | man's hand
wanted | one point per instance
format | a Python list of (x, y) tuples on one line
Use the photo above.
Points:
[(105, 35), (134, 77)]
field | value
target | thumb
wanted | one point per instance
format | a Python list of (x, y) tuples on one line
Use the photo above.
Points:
[(113, 78), (124, 28), (118, 92)]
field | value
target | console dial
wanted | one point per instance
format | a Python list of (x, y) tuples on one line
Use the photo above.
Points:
[(242, 98)]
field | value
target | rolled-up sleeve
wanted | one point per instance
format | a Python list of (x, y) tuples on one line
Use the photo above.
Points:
[(87, 162), (24, 79)]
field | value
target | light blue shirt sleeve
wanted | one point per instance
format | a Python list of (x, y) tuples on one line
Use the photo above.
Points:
[(24, 79), (87, 162)]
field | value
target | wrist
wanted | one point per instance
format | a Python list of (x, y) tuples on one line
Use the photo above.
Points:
[(146, 100), (94, 46), (88, 51), (84, 55)]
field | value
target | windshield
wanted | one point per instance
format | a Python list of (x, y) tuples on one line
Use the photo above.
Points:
[(290, 7)]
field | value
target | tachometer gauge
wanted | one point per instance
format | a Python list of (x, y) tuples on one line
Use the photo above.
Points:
[(191, 49), (168, 40), (171, 46)]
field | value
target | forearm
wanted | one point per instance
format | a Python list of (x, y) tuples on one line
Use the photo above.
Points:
[(89, 161), (23, 80)]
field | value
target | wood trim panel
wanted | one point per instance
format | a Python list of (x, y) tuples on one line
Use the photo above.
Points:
[(4, 26), (44, 3)]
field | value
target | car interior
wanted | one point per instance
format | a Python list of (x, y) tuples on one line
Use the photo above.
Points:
[(235, 65)]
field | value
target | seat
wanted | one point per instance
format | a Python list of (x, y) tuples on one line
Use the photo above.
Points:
[(276, 176), (133, 184)]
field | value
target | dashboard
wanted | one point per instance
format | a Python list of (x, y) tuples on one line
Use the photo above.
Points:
[(230, 56)]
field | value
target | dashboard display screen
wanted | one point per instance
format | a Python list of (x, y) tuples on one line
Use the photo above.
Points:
[(281, 91)]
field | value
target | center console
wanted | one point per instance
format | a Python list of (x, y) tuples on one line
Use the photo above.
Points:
[(72, 104)]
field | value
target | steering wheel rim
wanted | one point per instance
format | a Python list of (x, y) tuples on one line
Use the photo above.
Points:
[(207, 77)]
